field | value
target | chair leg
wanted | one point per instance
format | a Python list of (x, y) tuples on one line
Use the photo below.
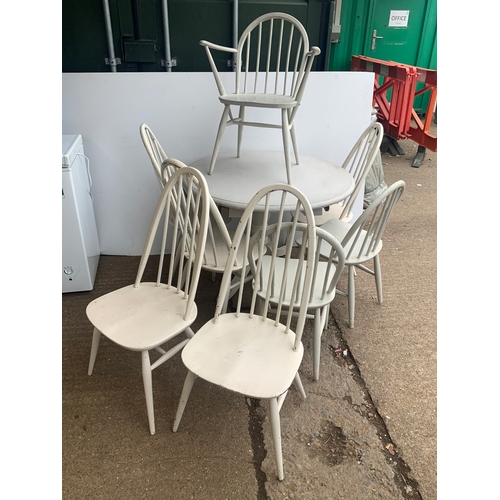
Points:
[(147, 380), (240, 130), (298, 385), (351, 295), (294, 144), (320, 316), (285, 130), (378, 277), (186, 391), (218, 140), (276, 430), (96, 337), (189, 333)]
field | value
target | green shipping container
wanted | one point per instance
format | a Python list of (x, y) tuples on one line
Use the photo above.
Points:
[(403, 31)]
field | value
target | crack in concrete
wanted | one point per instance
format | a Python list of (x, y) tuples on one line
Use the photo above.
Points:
[(408, 485), (256, 433)]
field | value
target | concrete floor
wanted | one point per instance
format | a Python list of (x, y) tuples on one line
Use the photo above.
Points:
[(366, 430)]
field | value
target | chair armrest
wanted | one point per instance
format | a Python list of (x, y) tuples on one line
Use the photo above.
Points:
[(313, 52), (214, 46), (215, 71)]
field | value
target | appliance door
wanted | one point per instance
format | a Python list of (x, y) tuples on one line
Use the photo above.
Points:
[(80, 242)]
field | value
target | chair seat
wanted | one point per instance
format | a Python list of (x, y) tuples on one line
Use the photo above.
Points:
[(315, 300), (339, 230), (245, 355), (259, 100), (215, 261), (141, 318)]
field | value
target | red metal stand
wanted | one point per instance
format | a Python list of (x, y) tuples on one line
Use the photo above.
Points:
[(396, 113)]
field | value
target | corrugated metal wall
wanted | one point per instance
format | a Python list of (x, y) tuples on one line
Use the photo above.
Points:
[(138, 33)]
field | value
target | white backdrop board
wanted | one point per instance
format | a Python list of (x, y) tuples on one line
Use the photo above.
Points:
[(183, 111)]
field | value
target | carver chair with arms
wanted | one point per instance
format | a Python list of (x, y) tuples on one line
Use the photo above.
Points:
[(144, 316), (362, 240), (250, 351), (273, 62)]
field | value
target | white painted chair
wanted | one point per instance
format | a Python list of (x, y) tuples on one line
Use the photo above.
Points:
[(273, 61), (144, 316), (358, 163), (327, 272), (362, 240), (254, 355)]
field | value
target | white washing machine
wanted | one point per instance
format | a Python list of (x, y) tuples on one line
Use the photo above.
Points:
[(80, 241)]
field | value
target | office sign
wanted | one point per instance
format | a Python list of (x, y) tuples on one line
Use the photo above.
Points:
[(399, 18)]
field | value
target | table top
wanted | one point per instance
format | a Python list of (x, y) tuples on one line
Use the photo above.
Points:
[(234, 181)]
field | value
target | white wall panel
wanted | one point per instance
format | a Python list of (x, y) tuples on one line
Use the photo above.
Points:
[(183, 111)]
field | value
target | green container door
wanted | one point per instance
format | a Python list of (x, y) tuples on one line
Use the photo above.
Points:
[(403, 31), (395, 31)]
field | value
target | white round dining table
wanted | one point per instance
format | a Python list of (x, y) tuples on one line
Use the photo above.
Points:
[(234, 181)]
